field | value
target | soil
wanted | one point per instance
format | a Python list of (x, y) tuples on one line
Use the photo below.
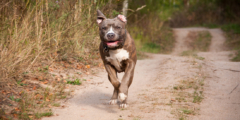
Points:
[(152, 87)]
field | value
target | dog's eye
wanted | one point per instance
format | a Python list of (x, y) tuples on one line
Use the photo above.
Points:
[(104, 28), (118, 27)]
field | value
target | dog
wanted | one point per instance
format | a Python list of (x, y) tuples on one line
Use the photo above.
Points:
[(118, 53)]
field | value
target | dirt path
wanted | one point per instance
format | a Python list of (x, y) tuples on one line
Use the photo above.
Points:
[(152, 87)]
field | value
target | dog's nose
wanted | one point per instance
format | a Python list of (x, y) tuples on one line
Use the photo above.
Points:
[(110, 35)]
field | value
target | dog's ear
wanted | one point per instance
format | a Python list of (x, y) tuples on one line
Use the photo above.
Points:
[(100, 17), (122, 18)]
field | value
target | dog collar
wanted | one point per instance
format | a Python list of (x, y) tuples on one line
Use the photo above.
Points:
[(105, 49)]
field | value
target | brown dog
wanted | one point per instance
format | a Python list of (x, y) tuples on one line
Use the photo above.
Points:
[(118, 53)]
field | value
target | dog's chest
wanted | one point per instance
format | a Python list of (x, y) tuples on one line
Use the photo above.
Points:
[(116, 57)]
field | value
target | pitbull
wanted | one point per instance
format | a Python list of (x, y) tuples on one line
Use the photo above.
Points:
[(118, 54)]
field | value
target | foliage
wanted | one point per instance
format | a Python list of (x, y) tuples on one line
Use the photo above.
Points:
[(233, 38), (75, 82)]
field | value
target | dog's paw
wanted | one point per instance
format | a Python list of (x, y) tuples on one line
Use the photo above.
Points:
[(123, 105), (122, 97), (112, 102)]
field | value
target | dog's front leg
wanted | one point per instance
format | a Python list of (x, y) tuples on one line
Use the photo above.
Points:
[(112, 76), (126, 82)]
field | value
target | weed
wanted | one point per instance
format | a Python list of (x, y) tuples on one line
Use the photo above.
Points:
[(197, 97), (44, 114), (187, 111), (56, 104), (75, 82), (180, 99), (151, 47), (153, 42), (237, 57), (199, 41), (233, 27), (188, 90), (19, 82), (181, 118), (233, 38), (136, 118), (192, 53)]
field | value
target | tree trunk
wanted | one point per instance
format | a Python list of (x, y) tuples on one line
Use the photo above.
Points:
[(125, 7)]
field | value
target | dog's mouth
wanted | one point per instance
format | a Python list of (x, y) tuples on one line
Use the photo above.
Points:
[(112, 43)]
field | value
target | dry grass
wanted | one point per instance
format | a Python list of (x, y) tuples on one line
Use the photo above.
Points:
[(233, 40), (199, 41), (189, 93), (47, 31), (35, 36)]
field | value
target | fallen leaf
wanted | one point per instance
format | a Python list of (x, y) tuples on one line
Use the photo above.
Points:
[(64, 81), (45, 82), (3, 92), (47, 100), (34, 87), (58, 79), (66, 65), (79, 67), (87, 66), (15, 115), (130, 115), (17, 109), (39, 102), (100, 64), (51, 69), (40, 77)]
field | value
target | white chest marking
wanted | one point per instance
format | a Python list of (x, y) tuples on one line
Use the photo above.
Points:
[(116, 56)]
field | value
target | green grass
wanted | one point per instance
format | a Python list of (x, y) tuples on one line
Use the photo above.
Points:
[(192, 53), (232, 27), (237, 57), (197, 97), (199, 41), (160, 40), (44, 114), (75, 82), (187, 111), (233, 38), (151, 47), (56, 104)]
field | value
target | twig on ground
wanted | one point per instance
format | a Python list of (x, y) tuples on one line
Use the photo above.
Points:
[(232, 70), (234, 88)]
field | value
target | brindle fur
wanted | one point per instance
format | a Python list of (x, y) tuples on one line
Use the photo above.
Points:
[(127, 65)]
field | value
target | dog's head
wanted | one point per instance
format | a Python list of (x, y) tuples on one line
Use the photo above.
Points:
[(112, 31)]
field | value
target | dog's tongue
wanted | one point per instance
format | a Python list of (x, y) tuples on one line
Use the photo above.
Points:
[(112, 43)]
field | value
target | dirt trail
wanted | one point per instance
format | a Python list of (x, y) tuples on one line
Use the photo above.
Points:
[(152, 87)]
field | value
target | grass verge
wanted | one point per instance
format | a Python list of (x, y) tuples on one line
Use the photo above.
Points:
[(199, 41), (35, 36), (188, 91), (159, 41), (192, 53), (233, 38)]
